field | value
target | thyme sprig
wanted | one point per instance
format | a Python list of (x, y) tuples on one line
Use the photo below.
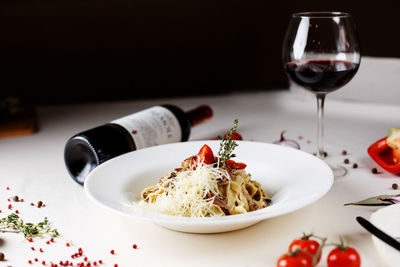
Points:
[(14, 224), (227, 145)]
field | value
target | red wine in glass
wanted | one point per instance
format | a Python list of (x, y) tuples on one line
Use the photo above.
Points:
[(321, 53), (321, 76)]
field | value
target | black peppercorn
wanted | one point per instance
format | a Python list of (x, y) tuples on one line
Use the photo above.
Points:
[(374, 170), (2, 257), (355, 165), (16, 198), (346, 161), (344, 152), (395, 186)]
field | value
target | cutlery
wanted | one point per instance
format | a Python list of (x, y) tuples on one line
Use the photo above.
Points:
[(378, 233)]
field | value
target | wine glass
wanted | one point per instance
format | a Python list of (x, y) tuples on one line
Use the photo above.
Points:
[(321, 53)]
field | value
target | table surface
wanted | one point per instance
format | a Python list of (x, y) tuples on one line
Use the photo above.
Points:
[(33, 168)]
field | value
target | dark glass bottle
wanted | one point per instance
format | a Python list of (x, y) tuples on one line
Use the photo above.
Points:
[(154, 126)]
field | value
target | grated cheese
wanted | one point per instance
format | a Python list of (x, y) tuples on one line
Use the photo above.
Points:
[(186, 194)]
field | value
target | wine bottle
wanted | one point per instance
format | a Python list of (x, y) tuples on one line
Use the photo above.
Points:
[(153, 126)]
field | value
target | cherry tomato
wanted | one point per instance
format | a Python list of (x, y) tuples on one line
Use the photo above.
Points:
[(344, 257), (295, 259), (236, 165), (235, 136), (306, 244), (206, 155)]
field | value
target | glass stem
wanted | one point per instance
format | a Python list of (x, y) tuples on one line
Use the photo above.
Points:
[(320, 125)]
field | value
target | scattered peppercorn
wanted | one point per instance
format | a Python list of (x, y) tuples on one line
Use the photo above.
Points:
[(112, 251), (67, 244), (325, 154), (2, 257), (134, 246), (344, 152), (39, 204), (374, 170), (395, 186), (346, 161), (355, 165), (16, 198)]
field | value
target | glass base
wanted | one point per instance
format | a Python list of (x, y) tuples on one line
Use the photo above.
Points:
[(338, 170)]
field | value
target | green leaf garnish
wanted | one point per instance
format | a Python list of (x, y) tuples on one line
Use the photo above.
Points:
[(381, 200), (14, 224), (227, 145)]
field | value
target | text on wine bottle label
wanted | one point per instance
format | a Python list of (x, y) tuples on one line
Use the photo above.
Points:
[(150, 127)]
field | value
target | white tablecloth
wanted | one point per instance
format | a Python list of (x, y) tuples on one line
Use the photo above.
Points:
[(33, 168)]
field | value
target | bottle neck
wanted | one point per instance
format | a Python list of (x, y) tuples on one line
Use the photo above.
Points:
[(199, 115)]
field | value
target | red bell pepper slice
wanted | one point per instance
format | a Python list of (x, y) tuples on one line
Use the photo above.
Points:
[(206, 155), (236, 165), (385, 156)]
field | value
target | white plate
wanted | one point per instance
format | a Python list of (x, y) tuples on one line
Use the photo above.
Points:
[(292, 178), (388, 220)]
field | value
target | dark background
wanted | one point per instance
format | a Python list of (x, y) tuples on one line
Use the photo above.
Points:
[(69, 51)]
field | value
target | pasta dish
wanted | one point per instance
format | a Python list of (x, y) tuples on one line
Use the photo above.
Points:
[(206, 186)]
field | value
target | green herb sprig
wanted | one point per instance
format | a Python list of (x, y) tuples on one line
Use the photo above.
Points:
[(227, 145), (14, 224)]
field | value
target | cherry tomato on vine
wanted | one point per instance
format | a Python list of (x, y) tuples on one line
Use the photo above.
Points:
[(295, 259), (344, 257), (306, 244)]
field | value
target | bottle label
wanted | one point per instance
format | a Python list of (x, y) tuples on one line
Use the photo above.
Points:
[(153, 126)]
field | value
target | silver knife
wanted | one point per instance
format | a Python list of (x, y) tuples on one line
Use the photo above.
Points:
[(378, 233)]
